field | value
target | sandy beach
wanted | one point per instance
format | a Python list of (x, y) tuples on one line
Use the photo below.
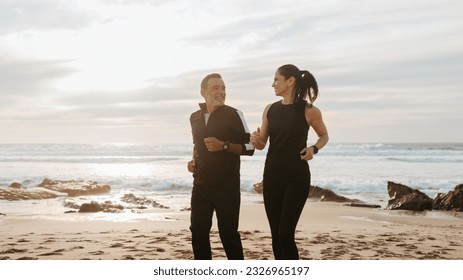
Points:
[(326, 231)]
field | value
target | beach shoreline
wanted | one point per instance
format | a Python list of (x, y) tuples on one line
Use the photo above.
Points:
[(326, 231)]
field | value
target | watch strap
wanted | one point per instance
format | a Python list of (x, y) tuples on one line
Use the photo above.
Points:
[(315, 149), (226, 145)]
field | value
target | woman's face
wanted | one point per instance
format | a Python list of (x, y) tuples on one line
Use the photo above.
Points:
[(282, 86)]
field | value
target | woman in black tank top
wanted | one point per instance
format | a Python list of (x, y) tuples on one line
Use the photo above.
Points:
[(285, 124)]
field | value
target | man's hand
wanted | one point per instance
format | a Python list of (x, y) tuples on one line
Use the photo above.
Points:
[(191, 166), (213, 144)]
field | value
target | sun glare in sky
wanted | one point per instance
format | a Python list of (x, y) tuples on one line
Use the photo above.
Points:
[(102, 71), (125, 47)]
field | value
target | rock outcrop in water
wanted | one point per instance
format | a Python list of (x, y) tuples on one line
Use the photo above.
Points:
[(132, 202), (141, 202), (75, 188), (53, 189), (49, 189)]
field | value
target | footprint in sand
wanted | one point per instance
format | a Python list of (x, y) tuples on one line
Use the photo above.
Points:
[(51, 240), (54, 253), (96, 253), (13, 251), (116, 245), (407, 246), (22, 240)]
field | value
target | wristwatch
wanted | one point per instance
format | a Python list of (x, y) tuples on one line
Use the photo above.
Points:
[(226, 145), (315, 149)]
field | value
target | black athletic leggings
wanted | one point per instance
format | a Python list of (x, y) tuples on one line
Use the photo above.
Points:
[(284, 199)]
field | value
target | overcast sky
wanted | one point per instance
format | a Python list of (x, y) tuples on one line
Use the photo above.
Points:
[(106, 71)]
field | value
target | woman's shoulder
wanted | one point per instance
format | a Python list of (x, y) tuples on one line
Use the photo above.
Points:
[(312, 111), (268, 106), (310, 106), (272, 105)]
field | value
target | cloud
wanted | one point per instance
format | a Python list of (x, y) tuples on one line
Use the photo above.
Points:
[(16, 16), (130, 70), (23, 80)]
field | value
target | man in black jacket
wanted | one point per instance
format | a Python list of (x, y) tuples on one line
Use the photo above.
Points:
[(220, 137)]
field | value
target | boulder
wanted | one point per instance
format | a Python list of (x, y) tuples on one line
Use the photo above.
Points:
[(107, 207), (315, 192), (26, 194), (453, 200), (396, 190), (52, 189), (91, 207), (258, 187), (141, 201), (327, 195), (75, 188), (406, 198), (15, 185)]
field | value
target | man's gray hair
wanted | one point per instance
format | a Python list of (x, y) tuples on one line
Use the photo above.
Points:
[(206, 79)]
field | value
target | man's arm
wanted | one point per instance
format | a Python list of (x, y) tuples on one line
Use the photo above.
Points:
[(246, 147), (215, 145), (192, 163), (243, 147), (260, 136)]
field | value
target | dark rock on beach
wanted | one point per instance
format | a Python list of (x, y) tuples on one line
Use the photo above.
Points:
[(141, 201), (26, 194), (53, 189), (406, 198), (15, 185), (328, 195), (133, 202), (75, 188), (452, 201), (107, 207), (258, 187)]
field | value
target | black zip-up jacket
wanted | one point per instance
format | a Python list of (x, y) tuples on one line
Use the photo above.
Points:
[(226, 124)]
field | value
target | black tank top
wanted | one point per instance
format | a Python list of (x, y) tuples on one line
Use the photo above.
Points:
[(288, 130)]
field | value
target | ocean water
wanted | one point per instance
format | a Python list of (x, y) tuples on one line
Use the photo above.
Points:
[(159, 172)]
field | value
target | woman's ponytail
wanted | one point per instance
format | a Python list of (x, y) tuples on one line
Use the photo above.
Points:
[(306, 85)]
